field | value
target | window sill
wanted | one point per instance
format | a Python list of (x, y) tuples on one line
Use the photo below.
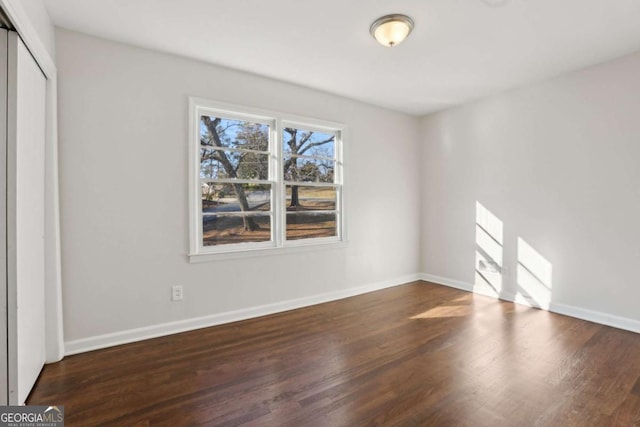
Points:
[(284, 250)]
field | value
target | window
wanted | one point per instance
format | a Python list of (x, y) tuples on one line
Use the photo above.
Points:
[(262, 181), (311, 190)]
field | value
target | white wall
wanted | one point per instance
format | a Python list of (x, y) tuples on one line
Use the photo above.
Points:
[(558, 163), (123, 126)]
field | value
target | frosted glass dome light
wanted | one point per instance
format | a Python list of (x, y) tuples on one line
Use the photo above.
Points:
[(391, 30)]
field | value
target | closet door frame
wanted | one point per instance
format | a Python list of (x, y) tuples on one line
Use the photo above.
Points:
[(26, 142), (20, 20), (4, 350)]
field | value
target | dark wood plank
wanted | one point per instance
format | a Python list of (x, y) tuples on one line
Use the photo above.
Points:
[(418, 354)]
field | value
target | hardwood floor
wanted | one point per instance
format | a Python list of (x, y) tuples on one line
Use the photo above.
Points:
[(413, 355)]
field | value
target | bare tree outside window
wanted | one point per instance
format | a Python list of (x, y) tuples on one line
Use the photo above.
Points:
[(234, 150), (311, 193), (263, 182)]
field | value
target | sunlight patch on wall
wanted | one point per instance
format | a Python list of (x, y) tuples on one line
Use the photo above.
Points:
[(534, 276), (489, 251)]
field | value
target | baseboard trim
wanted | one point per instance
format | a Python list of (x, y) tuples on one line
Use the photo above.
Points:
[(596, 317), (439, 280), (559, 308), (154, 331)]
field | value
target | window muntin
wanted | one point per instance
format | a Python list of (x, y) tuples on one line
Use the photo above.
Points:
[(263, 182)]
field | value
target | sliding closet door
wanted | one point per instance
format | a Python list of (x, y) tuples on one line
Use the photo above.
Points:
[(4, 385), (25, 214)]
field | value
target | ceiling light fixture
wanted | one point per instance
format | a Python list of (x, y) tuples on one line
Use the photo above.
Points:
[(391, 30)]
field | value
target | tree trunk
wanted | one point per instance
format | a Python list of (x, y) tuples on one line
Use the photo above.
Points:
[(295, 201), (248, 222)]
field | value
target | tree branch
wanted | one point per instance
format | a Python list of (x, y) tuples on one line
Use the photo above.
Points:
[(316, 144), (304, 140), (211, 126)]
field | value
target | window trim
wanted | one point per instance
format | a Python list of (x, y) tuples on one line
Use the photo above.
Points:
[(277, 122)]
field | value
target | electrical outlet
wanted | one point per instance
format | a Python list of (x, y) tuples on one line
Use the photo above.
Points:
[(176, 293)]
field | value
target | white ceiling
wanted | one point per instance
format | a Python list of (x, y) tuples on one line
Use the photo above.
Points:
[(460, 50)]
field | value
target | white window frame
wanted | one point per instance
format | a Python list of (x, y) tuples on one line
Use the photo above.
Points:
[(277, 122)]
